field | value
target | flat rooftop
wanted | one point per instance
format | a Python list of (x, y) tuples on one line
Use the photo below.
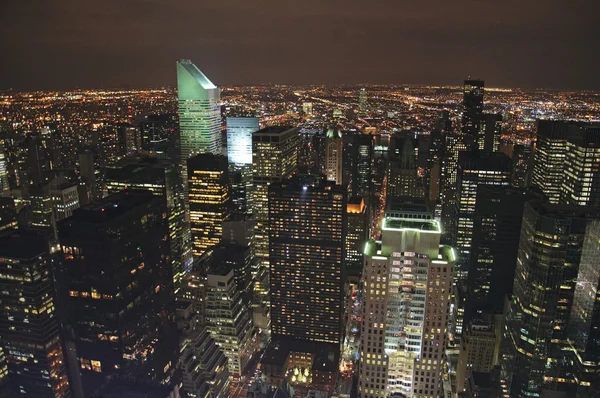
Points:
[(390, 224)]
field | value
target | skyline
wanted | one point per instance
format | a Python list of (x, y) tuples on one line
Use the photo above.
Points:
[(136, 43)]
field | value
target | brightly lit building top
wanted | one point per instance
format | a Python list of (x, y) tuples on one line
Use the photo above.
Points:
[(192, 84)]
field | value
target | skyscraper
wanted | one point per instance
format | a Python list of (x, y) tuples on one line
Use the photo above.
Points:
[(494, 243), (239, 139), (356, 235), (118, 280), (307, 229), (406, 297), (362, 164), (209, 200), (491, 132), (160, 177), (334, 156), (228, 317), (199, 112), (475, 168), (521, 172), (402, 175), (239, 156), (548, 263), (565, 163), (204, 366), (362, 103), (29, 325), (583, 329), (274, 158), (472, 108)]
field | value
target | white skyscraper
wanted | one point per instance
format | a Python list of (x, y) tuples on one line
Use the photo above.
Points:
[(239, 139), (199, 112), (406, 296)]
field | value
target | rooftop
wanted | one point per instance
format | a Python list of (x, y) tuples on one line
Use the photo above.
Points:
[(398, 224), (21, 244)]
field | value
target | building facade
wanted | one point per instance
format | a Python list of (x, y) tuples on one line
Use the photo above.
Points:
[(209, 200), (406, 298), (307, 228)]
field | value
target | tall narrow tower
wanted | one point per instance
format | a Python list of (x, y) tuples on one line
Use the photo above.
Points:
[(199, 112), (406, 297)]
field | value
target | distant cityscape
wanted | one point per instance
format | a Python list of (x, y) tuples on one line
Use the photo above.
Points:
[(300, 241)]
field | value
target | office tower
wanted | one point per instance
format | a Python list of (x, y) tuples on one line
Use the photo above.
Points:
[(549, 158), (479, 347), (495, 240), (334, 156), (581, 173), (475, 168), (274, 158), (548, 262), (307, 232), (403, 178), (406, 297), (491, 132), (362, 103), (4, 388), (130, 139), (239, 156), (199, 112), (357, 233), (39, 161), (65, 197), (29, 326), (454, 144), (362, 165), (160, 177), (88, 177), (583, 329), (160, 134), (41, 211), (209, 200), (204, 366), (228, 316), (239, 139), (472, 108), (118, 277), (521, 172), (565, 163)]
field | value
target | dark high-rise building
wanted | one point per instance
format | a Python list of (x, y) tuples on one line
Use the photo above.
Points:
[(584, 330), (88, 177), (307, 228), (403, 179), (362, 164), (29, 325), (491, 132), (548, 262), (472, 107), (475, 168), (356, 235), (521, 172), (494, 244), (118, 279), (209, 200), (274, 158), (160, 177)]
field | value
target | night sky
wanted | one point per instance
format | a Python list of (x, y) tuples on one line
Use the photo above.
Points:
[(62, 44)]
